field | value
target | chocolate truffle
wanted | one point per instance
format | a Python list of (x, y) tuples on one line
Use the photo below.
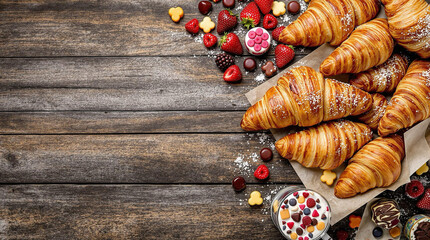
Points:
[(228, 3), (239, 184), (385, 213), (293, 7), (249, 64)]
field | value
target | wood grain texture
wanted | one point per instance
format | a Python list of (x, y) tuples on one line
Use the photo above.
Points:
[(101, 28), (131, 212), (141, 83), (74, 122), (137, 158)]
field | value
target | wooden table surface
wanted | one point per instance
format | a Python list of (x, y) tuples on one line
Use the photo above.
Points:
[(116, 123)]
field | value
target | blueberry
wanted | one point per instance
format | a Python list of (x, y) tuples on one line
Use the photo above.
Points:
[(377, 232), (310, 235), (293, 202), (318, 206), (306, 211), (286, 206), (284, 227)]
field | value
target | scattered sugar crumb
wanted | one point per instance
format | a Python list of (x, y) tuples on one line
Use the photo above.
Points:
[(260, 78)]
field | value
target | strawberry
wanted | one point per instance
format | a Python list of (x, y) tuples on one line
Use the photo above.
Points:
[(424, 203), (277, 32), (226, 21), (209, 40), (250, 15), (269, 21), (264, 5), (192, 26), (283, 55), (232, 74), (230, 43), (262, 172), (414, 189)]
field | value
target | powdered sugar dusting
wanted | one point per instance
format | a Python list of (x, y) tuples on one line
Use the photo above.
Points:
[(346, 21), (260, 78), (199, 38), (421, 31), (426, 75)]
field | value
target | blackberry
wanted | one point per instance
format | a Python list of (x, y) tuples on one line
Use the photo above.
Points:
[(223, 61)]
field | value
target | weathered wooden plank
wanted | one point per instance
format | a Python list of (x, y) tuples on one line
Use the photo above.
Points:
[(141, 83), (132, 212), (120, 122), (137, 158), (102, 28)]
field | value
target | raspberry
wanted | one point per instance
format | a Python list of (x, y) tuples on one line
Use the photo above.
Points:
[(262, 172), (224, 61), (414, 189)]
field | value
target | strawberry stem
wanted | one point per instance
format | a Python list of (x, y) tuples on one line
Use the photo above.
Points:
[(222, 40), (247, 22)]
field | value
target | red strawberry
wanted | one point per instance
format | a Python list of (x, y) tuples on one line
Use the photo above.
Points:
[(250, 15), (414, 189), (424, 203), (269, 21), (277, 32), (264, 5), (209, 40), (232, 74), (262, 172), (226, 21), (230, 43), (283, 54), (192, 26)]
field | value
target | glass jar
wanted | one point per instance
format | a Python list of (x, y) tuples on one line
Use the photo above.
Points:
[(300, 212)]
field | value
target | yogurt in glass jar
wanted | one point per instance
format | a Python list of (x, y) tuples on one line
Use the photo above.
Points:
[(301, 214)]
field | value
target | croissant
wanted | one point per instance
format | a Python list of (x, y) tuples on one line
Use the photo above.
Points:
[(325, 146), (383, 78), (304, 98), (328, 21), (372, 117), (409, 22), (411, 101), (369, 45), (377, 164)]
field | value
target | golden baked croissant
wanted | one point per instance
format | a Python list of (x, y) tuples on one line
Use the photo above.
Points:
[(411, 101), (328, 21), (409, 22), (383, 78), (368, 46), (372, 117), (325, 146), (304, 98), (377, 164)]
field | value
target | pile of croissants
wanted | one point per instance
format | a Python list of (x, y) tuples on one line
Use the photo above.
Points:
[(304, 97)]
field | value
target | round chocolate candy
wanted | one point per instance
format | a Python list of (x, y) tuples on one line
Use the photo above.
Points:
[(266, 154), (228, 3), (239, 184), (385, 213), (377, 232), (250, 65), (293, 7), (205, 7)]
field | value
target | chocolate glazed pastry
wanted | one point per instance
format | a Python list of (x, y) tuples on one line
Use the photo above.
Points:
[(385, 213)]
